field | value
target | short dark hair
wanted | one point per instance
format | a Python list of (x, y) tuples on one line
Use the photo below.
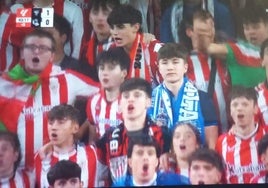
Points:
[(209, 156), (123, 14), (263, 46), (142, 140), (254, 14), (41, 34), (63, 169), (136, 83), (103, 4), (241, 91), (202, 15), (64, 111), (170, 50), (114, 56), (263, 144), (13, 139), (63, 26)]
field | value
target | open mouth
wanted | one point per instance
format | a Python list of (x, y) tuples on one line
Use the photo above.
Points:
[(105, 80), (182, 147), (130, 107), (145, 167), (240, 116), (200, 182), (35, 60), (54, 135)]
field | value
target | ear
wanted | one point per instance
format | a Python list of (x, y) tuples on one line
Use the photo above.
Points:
[(63, 38), (189, 32), (256, 109), (75, 127), (148, 102), (129, 161), (218, 176), (124, 73), (185, 67), (136, 27), (16, 156), (263, 157), (156, 163), (51, 59)]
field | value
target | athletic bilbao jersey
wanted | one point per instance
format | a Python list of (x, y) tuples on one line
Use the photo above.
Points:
[(113, 145), (199, 70), (21, 179), (84, 156), (241, 156), (58, 88), (262, 90), (103, 114)]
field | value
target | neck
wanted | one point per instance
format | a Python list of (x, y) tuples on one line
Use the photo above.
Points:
[(129, 46), (111, 94), (135, 124), (182, 163), (102, 37), (59, 57), (7, 174), (244, 130), (64, 149), (174, 87)]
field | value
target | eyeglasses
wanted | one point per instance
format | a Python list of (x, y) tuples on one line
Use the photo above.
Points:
[(137, 63), (41, 48)]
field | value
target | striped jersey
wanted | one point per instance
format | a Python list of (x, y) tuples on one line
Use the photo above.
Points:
[(84, 156), (259, 179), (262, 90), (240, 155), (112, 147), (31, 122), (21, 179), (102, 113), (199, 70)]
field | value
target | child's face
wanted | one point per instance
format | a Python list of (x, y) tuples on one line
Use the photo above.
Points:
[(70, 183), (264, 159), (98, 19), (143, 163), (111, 75), (243, 111), (61, 132), (124, 34), (173, 69), (184, 141), (202, 172), (134, 104), (8, 156), (256, 33)]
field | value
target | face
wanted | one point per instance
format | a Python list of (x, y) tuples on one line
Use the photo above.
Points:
[(70, 183), (143, 163), (124, 34), (59, 39), (37, 53), (134, 104), (202, 172), (264, 159), (184, 141), (98, 19), (256, 33), (111, 75), (202, 34), (61, 132), (243, 111), (265, 58), (8, 156), (172, 70)]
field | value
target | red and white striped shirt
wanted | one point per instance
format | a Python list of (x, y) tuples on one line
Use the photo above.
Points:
[(84, 156), (21, 179), (241, 156), (258, 179), (262, 90), (102, 113), (60, 87), (199, 70)]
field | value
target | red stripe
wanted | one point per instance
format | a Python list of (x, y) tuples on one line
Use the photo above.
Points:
[(26, 179), (231, 142), (29, 135), (12, 183), (38, 169), (63, 89), (92, 160), (46, 101), (244, 59)]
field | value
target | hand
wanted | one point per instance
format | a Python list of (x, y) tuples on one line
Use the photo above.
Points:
[(45, 151), (148, 37), (164, 161)]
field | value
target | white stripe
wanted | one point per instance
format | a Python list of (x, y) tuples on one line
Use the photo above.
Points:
[(3, 20), (237, 161), (248, 49), (82, 161)]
